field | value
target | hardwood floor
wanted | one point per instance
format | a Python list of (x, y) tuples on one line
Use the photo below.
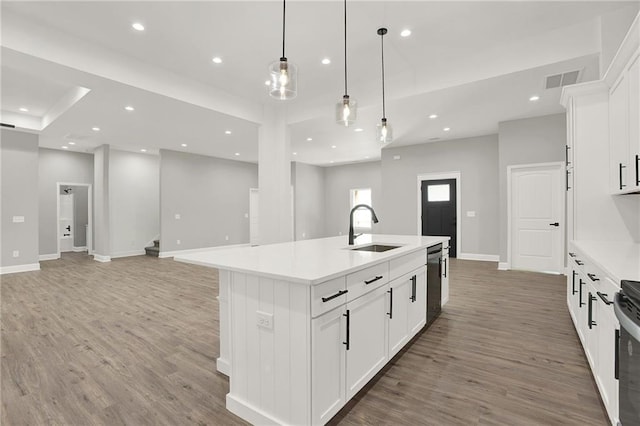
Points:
[(134, 342)]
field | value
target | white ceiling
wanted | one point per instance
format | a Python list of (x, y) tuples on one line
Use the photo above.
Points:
[(472, 63)]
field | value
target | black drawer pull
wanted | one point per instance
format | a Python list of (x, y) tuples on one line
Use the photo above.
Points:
[(593, 277), (621, 166), (603, 296), (637, 169), (554, 224), (616, 364), (413, 289), (390, 313), (348, 342), (579, 262), (572, 254), (372, 280), (590, 321), (573, 283), (333, 296), (581, 283)]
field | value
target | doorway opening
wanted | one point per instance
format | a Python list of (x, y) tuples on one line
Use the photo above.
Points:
[(439, 207), (74, 217)]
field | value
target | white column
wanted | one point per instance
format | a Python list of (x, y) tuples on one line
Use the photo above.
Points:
[(101, 236), (274, 177)]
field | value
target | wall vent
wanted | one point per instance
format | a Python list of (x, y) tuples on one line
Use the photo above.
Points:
[(561, 80)]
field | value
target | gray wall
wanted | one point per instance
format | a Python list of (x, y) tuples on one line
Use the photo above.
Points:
[(58, 166), (134, 201), (477, 161), (19, 176), (210, 194), (339, 181), (309, 201), (614, 27), (527, 141)]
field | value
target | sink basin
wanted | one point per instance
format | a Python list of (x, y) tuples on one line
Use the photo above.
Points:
[(379, 248)]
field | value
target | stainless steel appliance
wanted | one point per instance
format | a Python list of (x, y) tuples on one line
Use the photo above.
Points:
[(434, 285), (627, 309)]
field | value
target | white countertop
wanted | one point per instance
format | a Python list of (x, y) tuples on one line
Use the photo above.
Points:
[(308, 261), (620, 260)]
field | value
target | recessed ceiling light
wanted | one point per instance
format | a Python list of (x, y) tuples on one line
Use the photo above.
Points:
[(432, 116), (331, 161), (23, 109), (71, 143), (359, 129), (227, 132), (95, 129), (137, 26), (143, 150), (309, 139), (326, 61), (534, 98), (405, 33), (237, 154), (183, 144), (333, 146), (295, 153), (65, 147), (129, 108), (366, 157), (217, 60), (446, 129)]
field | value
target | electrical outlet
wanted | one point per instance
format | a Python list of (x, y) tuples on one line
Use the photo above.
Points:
[(304, 234), (16, 253), (18, 219), (226, 238), (471, 213), (178, 242), (246, 215), (177, 216), (264, 320)]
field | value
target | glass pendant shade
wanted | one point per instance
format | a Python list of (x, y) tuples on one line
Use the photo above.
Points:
[(283, 79), (346, 111), (384, 132)]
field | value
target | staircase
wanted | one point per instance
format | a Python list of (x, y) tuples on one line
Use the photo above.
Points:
[(154, 250)]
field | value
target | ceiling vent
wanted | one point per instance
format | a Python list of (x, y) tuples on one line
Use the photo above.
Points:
[(561, 80)]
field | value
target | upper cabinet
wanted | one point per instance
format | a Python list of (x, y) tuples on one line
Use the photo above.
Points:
[(623, 77)]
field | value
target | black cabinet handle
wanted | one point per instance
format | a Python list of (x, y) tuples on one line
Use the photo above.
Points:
[(572, 254), (413, 289), (573, 283), (347, 343), (567, 172), (554, 224), (621, 166), (445, 267), (566, 154), (593, 277), (372, 280), (580, 289), (603, 296), (637, 169), (616, 362), (590, 320), (579, 262), (390, 313), (333, 296)]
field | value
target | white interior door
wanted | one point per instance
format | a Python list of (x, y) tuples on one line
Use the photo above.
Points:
[(254, 221), (537, 218)]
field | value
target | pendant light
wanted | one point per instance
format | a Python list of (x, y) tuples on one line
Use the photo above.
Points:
[(346, 108), (384, 131), (284, 75)]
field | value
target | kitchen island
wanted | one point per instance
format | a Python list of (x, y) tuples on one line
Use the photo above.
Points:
[(305, 325)]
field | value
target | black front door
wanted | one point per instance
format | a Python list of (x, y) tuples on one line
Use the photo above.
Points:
[(439, 210)]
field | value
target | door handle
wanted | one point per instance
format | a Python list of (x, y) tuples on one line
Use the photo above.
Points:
[(390, 313), (637, 169), (413, 289), (347, 343), (616, 363), (554, 224), (620, 167)]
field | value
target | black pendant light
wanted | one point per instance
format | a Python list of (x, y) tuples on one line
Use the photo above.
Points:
[(346, 108), (283, 74), (384, 132)]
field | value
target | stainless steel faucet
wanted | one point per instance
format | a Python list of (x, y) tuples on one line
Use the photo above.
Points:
[(352, 236)]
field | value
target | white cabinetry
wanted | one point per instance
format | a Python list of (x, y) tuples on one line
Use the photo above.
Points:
[(408, 305), (418, 301), (619, 134), (444, 275)]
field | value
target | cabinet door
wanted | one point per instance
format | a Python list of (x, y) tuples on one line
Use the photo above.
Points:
[(417, 301), (633, 74), (367, 352), (619, 134), (607, 342), (328, 364), (444, 276), (572, 293), (400, 291)]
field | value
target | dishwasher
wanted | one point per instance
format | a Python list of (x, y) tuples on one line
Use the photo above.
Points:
[(434, 289), (627, 310)]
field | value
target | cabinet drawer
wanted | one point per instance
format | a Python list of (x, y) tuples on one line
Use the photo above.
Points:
[(366, 280), (328, 295), (407, 263), (605, 295)]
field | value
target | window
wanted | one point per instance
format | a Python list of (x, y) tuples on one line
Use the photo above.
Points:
[(361, 217), (438, 193)]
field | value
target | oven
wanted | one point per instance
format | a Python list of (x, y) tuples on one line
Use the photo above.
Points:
[(627, 309)]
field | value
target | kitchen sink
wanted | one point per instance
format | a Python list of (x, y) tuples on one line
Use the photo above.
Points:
[(379, 248)]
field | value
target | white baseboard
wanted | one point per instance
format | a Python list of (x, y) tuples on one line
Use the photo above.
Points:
[(19, 268), (224, 366), (503, 266), (51, 256), (481, 257), (164, 254), (101, 258), (79, 249), (128, 253), (250, 413)]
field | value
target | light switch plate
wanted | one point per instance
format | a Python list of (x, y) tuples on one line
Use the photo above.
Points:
[(177, 216), (16, 253), (264, 320), (18, 219), (471, 213)]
